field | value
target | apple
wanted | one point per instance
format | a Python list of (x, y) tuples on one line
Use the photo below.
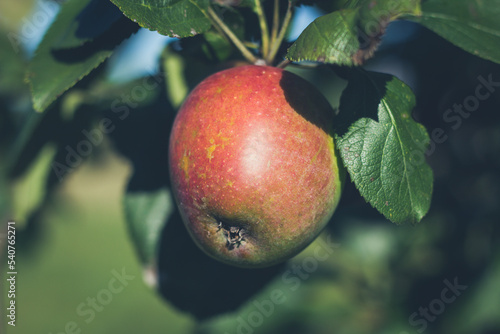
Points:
[(253, 166)]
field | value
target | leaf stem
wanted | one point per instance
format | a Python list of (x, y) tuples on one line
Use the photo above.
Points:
[(277, 43), (284, 63), (251, 45), (276, 22), (229, 33), (263, 27)]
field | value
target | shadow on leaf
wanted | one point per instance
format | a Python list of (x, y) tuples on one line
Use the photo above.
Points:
[(360, 99), (107, 41)]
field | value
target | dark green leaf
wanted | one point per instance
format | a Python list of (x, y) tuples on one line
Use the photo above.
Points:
[(95, 19), (327, 5), (30, 190), (330, 38), (36, 130), (102, 94), (147, 200), (52, 71), (472, 25), (5, 195), (384, 11), (244, 3), (383, 148), (374, 17), (174, 18), (351, 35), (146, 214), (12, 66)]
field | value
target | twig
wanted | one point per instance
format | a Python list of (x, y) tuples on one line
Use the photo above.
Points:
[(281, 35), (276, 22), (263, 27), (229, 33)]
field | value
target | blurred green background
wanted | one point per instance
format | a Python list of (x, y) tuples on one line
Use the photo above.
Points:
[(380, 278)]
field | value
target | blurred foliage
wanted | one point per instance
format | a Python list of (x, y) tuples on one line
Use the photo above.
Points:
[(72, 231)]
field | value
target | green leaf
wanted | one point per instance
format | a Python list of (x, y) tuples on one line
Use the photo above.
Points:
[(27, 143), (325, 5), (330, 38), (351, 35), (29, 191), (5, 196), (146, 213), (383, 148), (147, 202), (244, 3), (177, 88), (388, 9), (376, 15), (174, 18), (12, 66), (53, 71), (471, 25)]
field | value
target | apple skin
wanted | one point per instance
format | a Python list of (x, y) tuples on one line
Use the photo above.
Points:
[(253, 165)]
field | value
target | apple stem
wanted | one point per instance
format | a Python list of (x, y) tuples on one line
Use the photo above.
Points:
[(277, 42), (263, 27), (229, 33)]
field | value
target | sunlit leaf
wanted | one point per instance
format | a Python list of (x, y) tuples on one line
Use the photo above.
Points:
[(174, 18)]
